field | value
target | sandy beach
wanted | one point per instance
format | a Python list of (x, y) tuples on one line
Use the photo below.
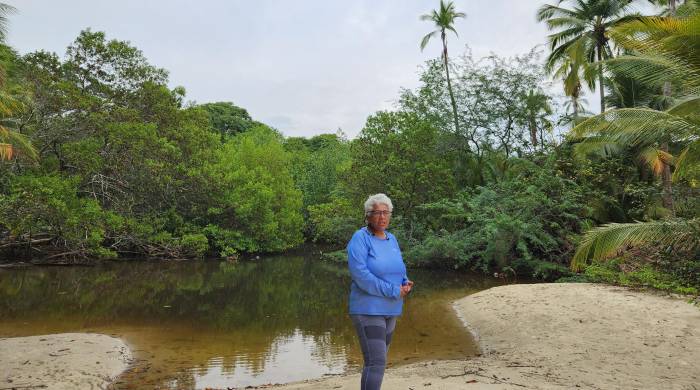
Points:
[(537, 336), (67, 361), (561, 336)]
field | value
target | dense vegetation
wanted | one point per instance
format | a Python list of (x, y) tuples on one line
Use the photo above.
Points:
[(488, 169)]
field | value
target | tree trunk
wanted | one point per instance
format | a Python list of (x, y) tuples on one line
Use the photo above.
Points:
[(600, 78), (533, 132), (449, 83), (574, 100), (666, 179)]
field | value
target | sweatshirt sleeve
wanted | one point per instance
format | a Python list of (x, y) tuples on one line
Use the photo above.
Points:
[(365, 279)]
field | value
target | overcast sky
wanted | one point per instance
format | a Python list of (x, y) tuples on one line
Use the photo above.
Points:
[(305, 67)]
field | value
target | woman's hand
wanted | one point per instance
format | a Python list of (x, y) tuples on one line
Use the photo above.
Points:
[(406, 288)]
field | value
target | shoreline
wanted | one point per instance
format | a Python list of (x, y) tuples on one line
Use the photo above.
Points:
[(531, 336), (62, 361), (559, 336)]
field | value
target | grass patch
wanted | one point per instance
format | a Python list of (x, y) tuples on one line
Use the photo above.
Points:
[(621, 273)]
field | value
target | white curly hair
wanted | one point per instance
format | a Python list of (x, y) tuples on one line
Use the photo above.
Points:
[(376, 199)]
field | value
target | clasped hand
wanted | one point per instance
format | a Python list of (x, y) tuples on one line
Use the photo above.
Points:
[(406, 288)]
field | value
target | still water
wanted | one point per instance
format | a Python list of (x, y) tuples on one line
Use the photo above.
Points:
[(193, 325)]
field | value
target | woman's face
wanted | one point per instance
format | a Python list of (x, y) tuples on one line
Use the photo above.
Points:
[(379, 217)]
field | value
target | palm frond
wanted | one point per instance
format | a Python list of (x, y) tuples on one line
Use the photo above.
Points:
[(426, 39), (688, 108), (656, 159), (596, 146), (550, 11), (634, 126), (668, 35), (5, 10), (13, 142), (688, 163), (607, 240), (676, 40), (655, 69), (443, 18), (431, 17)]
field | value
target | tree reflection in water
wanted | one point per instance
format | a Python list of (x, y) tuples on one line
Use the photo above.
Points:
[(209, 323)]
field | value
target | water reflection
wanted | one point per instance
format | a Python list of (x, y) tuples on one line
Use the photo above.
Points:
[(211, 324), (299, 356)]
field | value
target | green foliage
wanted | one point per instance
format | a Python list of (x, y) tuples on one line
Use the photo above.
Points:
[(399, 154), (645, 276), (228, 119), (444, 19), (113, 134), (318, 165), (48, 208), (519, 223), (335, 221), (501, 107), (195, 244), (258, 197), (582, 33), (470, 161)]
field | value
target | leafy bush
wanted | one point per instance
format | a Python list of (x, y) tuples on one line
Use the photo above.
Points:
[(48, 207), (195, 245), (644, 276), (528, 223), (258, 198), (334, 222)]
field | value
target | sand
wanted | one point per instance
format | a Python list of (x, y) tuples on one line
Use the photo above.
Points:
[(561, 336), (61, 361)]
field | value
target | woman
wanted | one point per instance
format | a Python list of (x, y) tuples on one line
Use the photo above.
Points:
[(379, 284)]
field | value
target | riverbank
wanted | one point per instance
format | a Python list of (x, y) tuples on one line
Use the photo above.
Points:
[(537, 336), (561, 336), (62, 361)]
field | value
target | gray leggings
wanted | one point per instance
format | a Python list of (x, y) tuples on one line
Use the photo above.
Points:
[(375, 334)]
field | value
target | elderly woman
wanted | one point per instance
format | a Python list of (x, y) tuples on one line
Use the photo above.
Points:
[(379, 284)]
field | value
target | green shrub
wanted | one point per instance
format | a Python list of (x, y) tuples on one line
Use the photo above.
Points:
[(50, 206), (195, 245), (334, 222), (644, 276), (528, 223)]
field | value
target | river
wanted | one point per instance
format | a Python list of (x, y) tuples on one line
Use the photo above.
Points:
[(199, 324)]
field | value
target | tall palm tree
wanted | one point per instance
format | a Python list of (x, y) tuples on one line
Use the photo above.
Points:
[(574, 70), (538, 109), (665, 49), (444, 19), (586, 24)]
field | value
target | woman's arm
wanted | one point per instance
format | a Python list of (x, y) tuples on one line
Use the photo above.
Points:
[(365, 279)]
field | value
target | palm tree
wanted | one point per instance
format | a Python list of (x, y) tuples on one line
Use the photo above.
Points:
[(587, 24), (665, 49), (444, 19), (574, 70), (538, 108), (10, 141)]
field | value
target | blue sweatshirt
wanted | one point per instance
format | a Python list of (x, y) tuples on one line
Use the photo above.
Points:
[(377, 271)]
